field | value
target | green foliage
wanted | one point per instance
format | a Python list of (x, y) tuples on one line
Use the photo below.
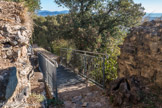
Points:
[(62, 43), (105, 17), (37, 97), (92, 25), (111, 63), (52, 32), (54, 102), (32, 5)]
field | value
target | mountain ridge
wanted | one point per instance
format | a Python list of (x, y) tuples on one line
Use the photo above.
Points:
[(51, 13)]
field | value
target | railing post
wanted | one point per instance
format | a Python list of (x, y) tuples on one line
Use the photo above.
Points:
[(103, 71), (85, 64), (66, 56), (60, 52), (85, 69)]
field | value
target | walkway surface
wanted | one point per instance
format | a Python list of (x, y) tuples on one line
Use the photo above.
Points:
[(65, 77), (75, 94)]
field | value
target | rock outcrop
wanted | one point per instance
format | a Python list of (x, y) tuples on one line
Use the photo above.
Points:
[(141, 53), (15, 33), (127, 90), (140, 67)]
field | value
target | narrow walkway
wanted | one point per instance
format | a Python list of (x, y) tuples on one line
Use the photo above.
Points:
[(66, 77), (73, 91)]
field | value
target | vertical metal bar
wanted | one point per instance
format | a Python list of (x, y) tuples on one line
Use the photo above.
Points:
[(66, 56), (82, 70), (74, 62), (60, 57), (103, 71), (85, 69), (60, 52), (85, 64)]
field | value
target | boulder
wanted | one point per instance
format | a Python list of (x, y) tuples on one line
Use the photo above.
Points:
[(127, 90)]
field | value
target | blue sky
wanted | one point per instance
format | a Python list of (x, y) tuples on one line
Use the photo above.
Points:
[(151, 6), (51, 6)]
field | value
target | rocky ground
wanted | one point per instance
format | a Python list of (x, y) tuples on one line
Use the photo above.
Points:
[(134, 92), (80, 96), (37, 91)]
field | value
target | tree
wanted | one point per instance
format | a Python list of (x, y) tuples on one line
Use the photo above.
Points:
[(32, 5), (107, 17)]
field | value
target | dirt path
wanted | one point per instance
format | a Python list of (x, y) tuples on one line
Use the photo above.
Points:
[(79, 96)]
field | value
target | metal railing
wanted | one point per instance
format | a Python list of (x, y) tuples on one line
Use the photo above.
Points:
[(49, 70), (87, 64)]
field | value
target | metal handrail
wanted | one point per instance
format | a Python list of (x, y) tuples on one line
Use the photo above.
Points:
[(83, 57), (87, 52), (51, 60)]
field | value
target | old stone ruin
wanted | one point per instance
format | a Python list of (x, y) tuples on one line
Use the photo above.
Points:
[(15, 68), (140, 64)]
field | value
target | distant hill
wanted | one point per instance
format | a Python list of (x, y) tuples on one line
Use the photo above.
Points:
[(150, 16), (51, 13), (153, 16)]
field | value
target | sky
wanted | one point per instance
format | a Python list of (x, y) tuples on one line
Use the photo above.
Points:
[(151, 6), (51, 6)]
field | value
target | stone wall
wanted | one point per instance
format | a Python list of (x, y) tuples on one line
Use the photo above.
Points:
[(15, 33), (141, 53)]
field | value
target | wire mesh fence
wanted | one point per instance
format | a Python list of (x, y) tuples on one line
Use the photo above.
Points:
[(49, 71), (87, 64)]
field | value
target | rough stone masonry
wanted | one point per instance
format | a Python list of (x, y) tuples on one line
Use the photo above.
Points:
[(141, 53), (15, 32)]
